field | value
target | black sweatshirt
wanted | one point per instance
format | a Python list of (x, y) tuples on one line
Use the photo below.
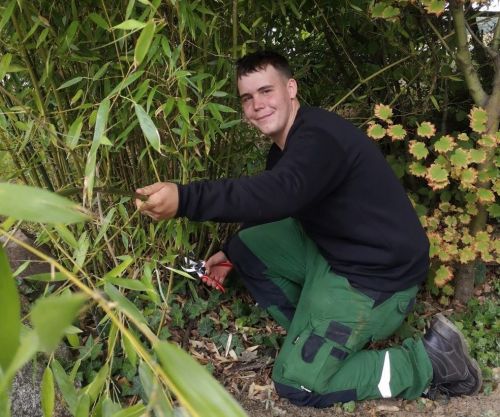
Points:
[(337, 184)]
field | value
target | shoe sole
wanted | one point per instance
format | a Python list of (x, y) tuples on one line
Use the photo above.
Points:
[(442, 325)]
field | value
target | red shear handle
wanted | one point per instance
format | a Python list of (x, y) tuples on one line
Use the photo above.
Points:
[(218, 285)]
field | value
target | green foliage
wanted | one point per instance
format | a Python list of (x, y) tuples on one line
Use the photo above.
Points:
[(205, 398), (28, 203), (47, 393), (450, 166), (99, 99), (10, 308), (480, 324), (51, 316)]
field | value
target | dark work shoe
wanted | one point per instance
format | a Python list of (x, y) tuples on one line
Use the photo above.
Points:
[(454, 371)]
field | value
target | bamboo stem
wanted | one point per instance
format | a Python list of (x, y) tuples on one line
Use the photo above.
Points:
[(235, 28), (27, 62)]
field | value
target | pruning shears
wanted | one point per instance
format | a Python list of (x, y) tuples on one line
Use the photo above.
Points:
[(198, 267)]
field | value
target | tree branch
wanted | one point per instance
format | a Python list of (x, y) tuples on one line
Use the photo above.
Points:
[(464, 58), (491, 52), (495, 45)]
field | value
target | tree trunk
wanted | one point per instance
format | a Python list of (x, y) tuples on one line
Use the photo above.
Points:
[(464, 283)]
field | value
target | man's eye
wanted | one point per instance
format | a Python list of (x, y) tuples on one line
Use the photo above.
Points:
[(245, 99)]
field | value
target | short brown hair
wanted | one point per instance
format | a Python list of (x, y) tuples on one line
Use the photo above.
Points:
[(261, 59)]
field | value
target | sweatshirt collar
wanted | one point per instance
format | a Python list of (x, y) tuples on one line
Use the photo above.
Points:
[(299, 120)]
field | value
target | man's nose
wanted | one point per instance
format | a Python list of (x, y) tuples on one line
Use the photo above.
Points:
[(258, 102)]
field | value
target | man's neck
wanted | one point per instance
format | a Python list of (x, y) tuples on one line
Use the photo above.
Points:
[(281, 140)]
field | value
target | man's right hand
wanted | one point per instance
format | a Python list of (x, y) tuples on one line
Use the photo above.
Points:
[(162, 200), (216, 273)]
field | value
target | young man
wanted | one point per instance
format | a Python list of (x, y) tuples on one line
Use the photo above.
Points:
[(335, 254)]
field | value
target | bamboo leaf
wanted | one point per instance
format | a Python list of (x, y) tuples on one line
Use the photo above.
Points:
[(7, 14), (129, 351), (76, 97), (130, 284), (98, 20), (16, 68), (109, 407), (94, 388), (205, 398), (42, 37), (144, 42), (81, 252), (105, 225), (66, 235), (37, 205), (181, 273), (101, 120), (157, 398), (71, 82), (83, 406), (183, 109), (4, 403), (100, 128), (126, 82), (134, 411), (47, 393), (130, 24), (65, 386), (229, 124), (118, 270), (100, 72), (74, 133), (10, 310), (148, 127), (222, 108), (126, 305), (26, 351), (4, 65), (51, 316), (47, 277)]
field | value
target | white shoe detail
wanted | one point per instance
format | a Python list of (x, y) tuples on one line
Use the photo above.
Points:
[(385, 378)]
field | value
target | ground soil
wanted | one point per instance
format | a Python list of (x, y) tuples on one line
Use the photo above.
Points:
[(478, 406), (251, 385)]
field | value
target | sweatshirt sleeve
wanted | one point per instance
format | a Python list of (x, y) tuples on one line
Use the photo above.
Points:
[(310, 168)]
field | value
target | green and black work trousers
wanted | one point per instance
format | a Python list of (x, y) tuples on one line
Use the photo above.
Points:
[(328, 322)]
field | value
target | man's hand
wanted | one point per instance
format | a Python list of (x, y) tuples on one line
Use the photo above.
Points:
[(216, 273), (162, 200)]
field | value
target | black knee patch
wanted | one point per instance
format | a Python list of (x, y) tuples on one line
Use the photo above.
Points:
[(339, 354), (311, 347), (252, 271), (338, 332), (310, 399)]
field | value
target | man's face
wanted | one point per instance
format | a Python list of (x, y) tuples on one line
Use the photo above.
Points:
[(267, 99)]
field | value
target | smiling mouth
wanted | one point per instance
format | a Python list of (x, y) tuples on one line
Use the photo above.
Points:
[(264, 117)]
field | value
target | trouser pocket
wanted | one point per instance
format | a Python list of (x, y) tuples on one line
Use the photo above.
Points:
[(391, 315), (313, 357)]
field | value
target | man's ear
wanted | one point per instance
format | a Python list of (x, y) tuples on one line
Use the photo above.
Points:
[(292, 87)]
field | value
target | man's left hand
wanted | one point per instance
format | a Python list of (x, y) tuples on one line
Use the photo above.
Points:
[(162, 200)]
